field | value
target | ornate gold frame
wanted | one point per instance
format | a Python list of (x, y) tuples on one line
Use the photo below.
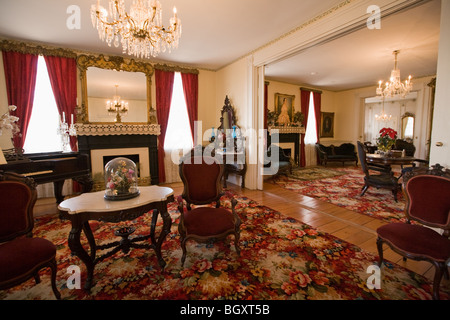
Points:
[(112, 63)]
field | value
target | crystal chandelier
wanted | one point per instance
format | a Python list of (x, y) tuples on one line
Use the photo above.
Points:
[(395, 87), (140, 31), (117, 107), (383, 116)]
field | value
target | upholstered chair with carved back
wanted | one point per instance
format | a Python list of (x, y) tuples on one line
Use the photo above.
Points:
[(202, 218), (427, 193), (22, 256)]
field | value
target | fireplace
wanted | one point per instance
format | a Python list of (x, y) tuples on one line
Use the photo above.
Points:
[(101, 142), (100, 157)]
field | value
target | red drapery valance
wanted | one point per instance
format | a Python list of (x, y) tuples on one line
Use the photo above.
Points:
[(20, 75), (164, 87), (63, 78)]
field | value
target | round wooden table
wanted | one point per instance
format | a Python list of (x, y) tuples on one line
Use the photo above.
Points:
[(386, 160), (93, 206)]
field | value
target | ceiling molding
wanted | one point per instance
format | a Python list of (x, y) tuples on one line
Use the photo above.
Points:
[(327, 28)]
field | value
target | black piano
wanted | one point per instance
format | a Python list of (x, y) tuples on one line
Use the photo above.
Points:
[(53, 167)]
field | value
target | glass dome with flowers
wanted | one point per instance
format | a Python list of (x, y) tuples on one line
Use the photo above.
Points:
[(121, 179)]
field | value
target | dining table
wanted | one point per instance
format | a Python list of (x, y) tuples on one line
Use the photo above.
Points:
[(389, 160)]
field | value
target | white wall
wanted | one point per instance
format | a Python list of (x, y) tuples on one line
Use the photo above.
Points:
[(350, 114), (233, 81), (441, 122)]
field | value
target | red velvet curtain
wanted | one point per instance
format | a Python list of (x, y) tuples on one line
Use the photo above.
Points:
[(190, 89), (63, 78), (266, 106), (20, 75), (164, 86), (304, 104)]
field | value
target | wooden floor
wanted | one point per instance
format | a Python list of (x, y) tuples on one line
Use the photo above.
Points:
[(350, 226)]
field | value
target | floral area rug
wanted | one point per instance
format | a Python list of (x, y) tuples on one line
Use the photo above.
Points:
[(308, 174), (281, 259), (344, 191)]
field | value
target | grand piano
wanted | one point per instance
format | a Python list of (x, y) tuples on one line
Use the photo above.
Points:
[(53, 167)]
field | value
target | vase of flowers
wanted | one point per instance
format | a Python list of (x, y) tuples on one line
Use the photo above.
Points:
[(386, 139), (121, 179), (9, 122)]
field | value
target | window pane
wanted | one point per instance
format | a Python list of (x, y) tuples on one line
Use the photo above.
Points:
[(311, 130), (178, 134), (42, 131)]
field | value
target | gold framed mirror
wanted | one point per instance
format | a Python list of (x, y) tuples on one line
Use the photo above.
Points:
[(102, 78), (228, 117), (408, 120)]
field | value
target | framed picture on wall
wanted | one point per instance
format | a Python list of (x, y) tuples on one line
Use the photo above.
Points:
[(327, 124), (284, 108)]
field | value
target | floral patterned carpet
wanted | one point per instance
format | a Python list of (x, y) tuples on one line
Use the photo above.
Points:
[(344, 190), (281, 259)]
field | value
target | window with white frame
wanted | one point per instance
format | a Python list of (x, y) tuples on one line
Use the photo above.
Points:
[(311, 129), (178, 133), (42, 130), (178, 138)]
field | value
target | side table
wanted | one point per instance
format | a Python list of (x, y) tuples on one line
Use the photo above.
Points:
[(92, 206)]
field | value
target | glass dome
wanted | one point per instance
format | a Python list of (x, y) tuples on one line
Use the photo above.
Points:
[(121, 179)]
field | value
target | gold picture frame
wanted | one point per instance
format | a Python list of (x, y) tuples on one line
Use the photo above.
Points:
[(284, 104), (327, 124)]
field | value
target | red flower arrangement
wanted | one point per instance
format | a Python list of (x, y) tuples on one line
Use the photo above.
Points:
[(386, 139)]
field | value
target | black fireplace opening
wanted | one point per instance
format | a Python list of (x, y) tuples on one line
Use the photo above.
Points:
[(132, 157)]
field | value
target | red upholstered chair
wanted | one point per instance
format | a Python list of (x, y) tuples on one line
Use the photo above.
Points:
[(21, 255), (201, 176), (427, 193)]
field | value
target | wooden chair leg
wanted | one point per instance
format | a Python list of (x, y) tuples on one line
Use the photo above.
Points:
[(236, 243), (37, 278), (394, 192), (183, 247), (54, 268), (380, 251), (364, 190), (439, 271)]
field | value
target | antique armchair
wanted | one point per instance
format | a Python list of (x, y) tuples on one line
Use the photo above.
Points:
[(410, 150), (201, 176), (384, 179), (21, 255), (276, 156), (428, 202)]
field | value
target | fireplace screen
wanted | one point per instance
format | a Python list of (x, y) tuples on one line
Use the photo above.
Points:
[(121, 180)]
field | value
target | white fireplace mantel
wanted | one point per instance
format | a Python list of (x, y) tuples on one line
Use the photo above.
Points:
[(91, 129)]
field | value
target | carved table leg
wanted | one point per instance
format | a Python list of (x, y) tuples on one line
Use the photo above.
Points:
[(90, 237), (77, 248), (167, 223)]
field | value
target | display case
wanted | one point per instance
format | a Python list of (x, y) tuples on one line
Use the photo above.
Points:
[(121, 179)]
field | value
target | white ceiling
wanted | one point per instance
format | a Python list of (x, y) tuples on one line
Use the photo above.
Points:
[(218, 32), (365, 57)]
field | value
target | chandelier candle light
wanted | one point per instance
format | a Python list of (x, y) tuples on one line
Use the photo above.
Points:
[(395, 87), (383, 116), (117, 107), (141, 31), (65, 131)]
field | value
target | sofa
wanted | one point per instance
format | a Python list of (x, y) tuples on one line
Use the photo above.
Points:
[(343, 153)]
